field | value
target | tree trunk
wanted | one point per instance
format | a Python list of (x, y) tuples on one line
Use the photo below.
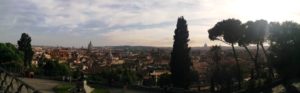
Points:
[(256, 61), (263, 48), (269, 63), (238, 66), (252, 58), (248, 51)]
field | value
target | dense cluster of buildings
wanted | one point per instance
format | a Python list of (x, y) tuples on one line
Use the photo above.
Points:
[(152, 61)]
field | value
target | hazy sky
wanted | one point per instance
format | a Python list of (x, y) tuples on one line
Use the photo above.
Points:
[(129, 22)]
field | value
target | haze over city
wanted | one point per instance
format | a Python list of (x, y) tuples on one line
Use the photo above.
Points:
[(129, 22)]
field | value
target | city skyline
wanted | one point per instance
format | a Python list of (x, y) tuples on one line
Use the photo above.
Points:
[(130, 22)]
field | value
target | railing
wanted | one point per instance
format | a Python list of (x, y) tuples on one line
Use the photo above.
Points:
[(11, 84)]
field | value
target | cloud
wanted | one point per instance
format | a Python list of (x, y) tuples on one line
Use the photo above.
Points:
[(117, 22), (147, 37)]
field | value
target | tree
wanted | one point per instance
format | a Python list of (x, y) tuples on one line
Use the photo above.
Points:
[(228, 31), (220, 71), (54, 68), (9, 53), (164, 80), (25, 45), (215, 53), (180, 59), (11, 59), (285, 53), (254, 33)]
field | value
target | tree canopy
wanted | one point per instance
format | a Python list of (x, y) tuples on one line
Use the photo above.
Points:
[(284, 48), (10, 57), (180, 59), (9, 53), (25, 45), (229, 30), (254, 32)]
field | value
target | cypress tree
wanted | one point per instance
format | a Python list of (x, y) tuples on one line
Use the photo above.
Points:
[(180, 59), (25, 45)]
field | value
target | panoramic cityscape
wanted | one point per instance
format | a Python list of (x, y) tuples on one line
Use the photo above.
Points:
[(139, 46)]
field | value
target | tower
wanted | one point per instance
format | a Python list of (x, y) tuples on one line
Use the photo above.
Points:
[(90, 47), (109, 57), (205, 45)]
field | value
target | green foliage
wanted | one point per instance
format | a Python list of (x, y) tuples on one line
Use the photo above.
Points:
[(118, 76), (128, 77), (194, 76), (25, 45), (53, 68), (229, 30), (10, 57), (9, 53), (220, 73), (254, 32), (64, 88), (180, 59), (283, 52), (165, 80), (100, 90), (215, 52), (149, 82), (285, 48)]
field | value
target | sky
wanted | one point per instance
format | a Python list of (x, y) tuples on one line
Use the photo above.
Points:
[(129, 22)]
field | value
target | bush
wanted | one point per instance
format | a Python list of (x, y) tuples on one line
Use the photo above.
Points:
[(10, 58), (53, 68)]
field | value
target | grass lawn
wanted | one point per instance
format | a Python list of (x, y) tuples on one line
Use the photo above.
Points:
[(100, 90), (64, 88)]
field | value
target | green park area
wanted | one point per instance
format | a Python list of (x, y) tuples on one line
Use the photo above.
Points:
[(67, 88)]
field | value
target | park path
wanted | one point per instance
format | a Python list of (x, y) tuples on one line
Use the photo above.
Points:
[(46, 86), (43, 85)]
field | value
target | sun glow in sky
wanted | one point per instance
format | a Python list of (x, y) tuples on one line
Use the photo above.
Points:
[(129, 22), (271, 10)]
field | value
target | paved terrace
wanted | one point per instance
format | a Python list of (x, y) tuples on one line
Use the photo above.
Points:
[(43, 85)]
